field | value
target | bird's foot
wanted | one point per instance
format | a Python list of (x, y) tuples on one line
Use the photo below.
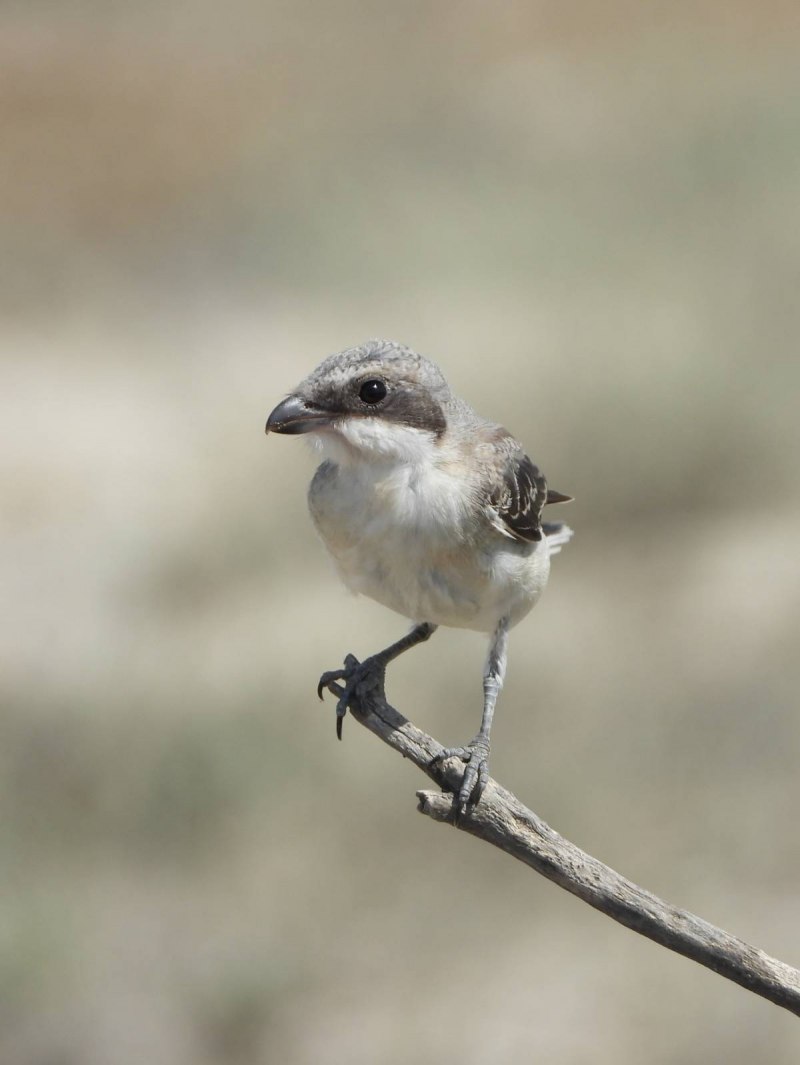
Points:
[(475, 755), (355, 678)]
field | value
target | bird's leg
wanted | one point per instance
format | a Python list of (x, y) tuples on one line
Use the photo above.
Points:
[(370, 672), (476, 752)]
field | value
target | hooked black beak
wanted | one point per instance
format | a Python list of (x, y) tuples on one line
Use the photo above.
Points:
[(295, 416)]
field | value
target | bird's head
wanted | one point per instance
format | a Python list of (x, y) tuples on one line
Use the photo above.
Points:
[(377, 401)]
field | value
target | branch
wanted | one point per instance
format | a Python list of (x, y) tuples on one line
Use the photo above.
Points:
[(502, 820)]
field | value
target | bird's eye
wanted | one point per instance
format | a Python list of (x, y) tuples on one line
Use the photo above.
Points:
[(372, 391)]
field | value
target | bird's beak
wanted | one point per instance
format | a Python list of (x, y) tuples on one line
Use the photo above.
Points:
[(295, 416)]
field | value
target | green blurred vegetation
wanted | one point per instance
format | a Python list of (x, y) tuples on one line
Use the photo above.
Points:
[(588, 215)]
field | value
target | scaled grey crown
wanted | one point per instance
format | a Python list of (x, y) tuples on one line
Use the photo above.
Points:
[(397, 357)]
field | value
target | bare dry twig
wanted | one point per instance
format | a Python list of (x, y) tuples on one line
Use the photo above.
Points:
[(502, 820)]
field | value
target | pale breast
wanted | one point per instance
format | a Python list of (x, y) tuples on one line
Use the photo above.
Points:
[(411, 541)]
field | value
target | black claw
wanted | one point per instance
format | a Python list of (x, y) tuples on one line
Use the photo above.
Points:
[(343, 691), (328, 680), (343, 683)]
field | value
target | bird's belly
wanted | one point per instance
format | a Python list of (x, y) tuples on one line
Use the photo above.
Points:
[(465, 599), (421, 585), (436, 575)]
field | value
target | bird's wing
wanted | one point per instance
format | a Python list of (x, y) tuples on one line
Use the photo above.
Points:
[(516, 501)]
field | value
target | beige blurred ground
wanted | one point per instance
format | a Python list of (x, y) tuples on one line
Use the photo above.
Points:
[(588, 214)]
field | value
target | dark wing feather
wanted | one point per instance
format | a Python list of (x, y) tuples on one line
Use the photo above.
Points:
[(519, 499)]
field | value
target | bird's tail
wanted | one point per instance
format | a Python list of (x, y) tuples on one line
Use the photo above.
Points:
[(557, 534)]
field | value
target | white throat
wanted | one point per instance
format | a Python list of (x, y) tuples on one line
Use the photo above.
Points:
[(351, 441)]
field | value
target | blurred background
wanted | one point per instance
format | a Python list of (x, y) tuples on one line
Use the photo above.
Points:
[(588, 215)]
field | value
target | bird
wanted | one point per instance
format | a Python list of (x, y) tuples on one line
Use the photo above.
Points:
[(425, 507)]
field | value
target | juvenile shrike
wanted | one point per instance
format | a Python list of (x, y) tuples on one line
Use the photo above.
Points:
[(425, 507)]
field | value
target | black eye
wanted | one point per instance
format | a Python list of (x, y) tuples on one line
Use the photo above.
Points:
[(372, 391)]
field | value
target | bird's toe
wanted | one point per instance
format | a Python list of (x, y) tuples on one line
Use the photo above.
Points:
[(475, 756), (345, 683)]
